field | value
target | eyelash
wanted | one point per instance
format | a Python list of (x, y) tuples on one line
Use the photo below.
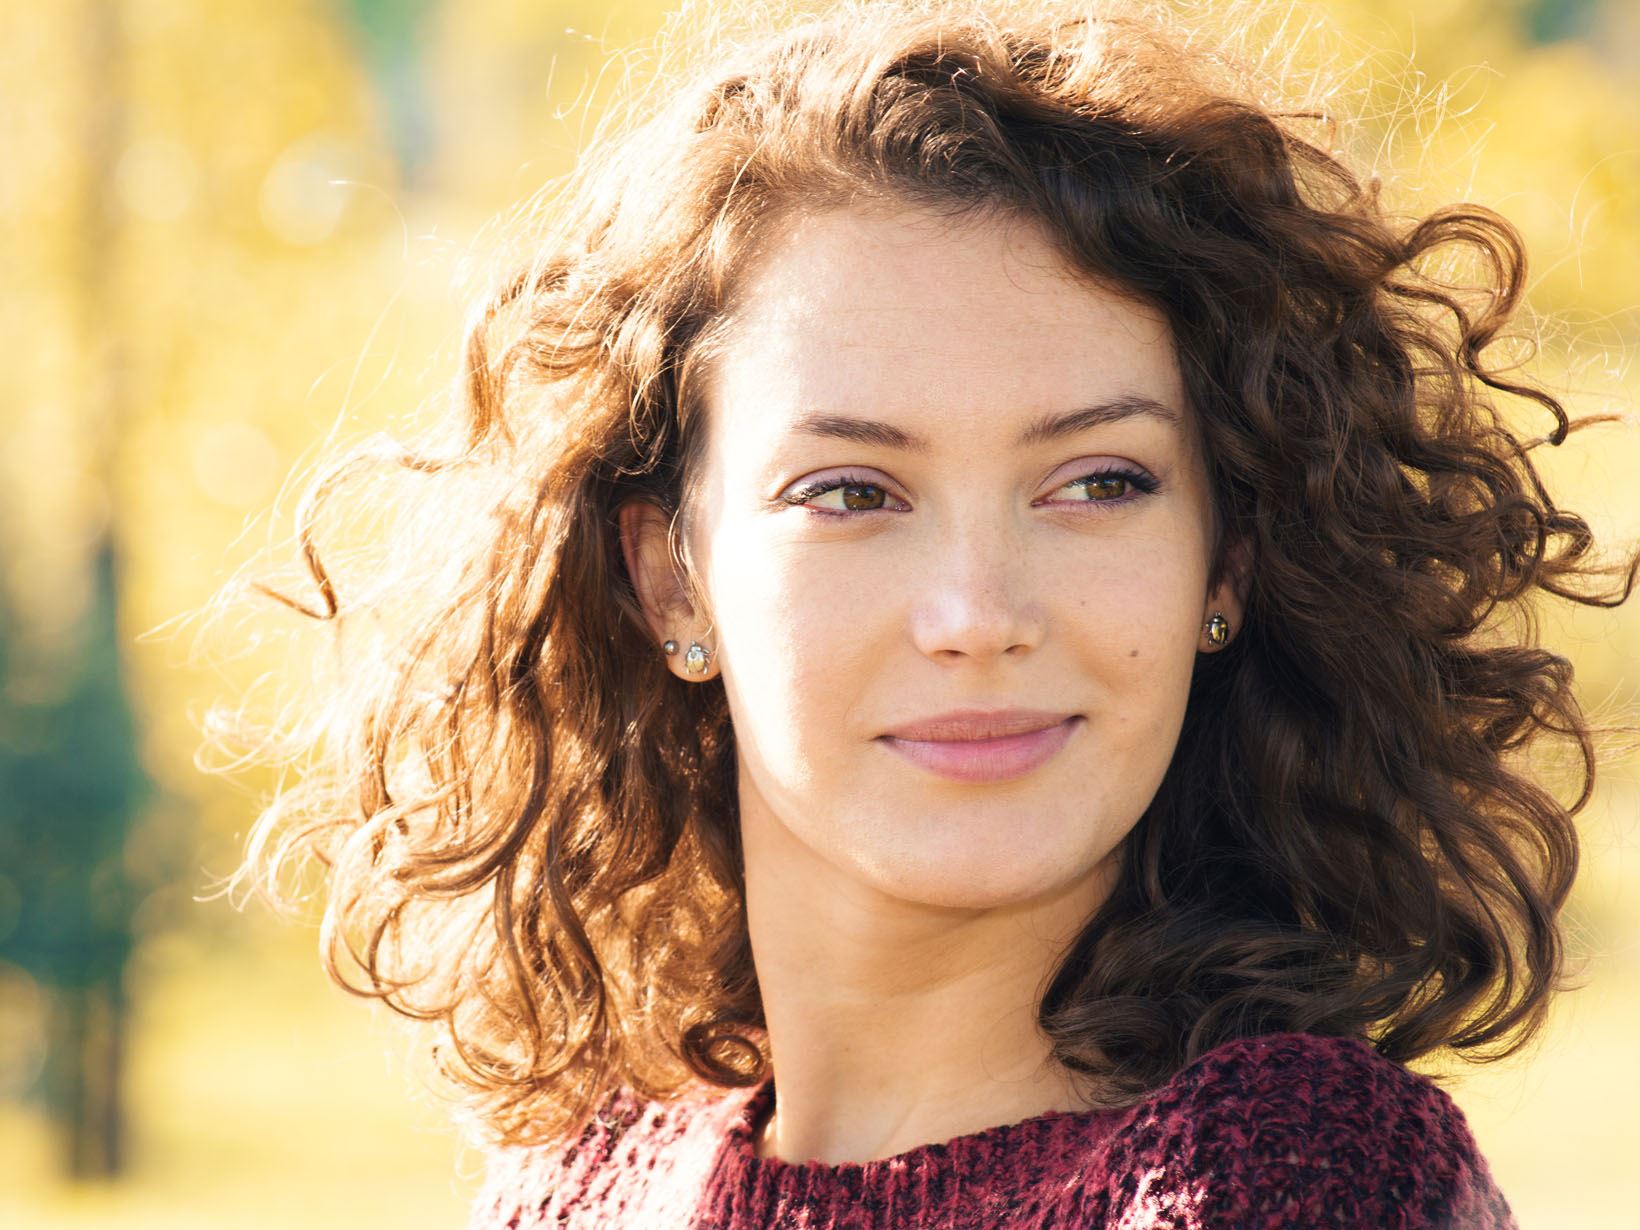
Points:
[(1142, 483)]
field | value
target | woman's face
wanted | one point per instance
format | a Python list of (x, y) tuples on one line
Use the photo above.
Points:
[(971, 563)]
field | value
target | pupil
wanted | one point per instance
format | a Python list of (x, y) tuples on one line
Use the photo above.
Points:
[(854, 497), (1107, 482)]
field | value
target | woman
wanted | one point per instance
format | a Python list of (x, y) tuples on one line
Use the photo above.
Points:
[(957, 678)]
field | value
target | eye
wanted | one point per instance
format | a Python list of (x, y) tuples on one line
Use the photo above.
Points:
[(857, 495), (1113, 486)]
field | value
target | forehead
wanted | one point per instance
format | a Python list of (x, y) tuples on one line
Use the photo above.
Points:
[(962, 324)]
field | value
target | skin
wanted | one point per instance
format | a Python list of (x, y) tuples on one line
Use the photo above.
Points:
[(904, 925)]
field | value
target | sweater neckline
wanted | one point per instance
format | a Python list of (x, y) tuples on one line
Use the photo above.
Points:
[(967, 1151)]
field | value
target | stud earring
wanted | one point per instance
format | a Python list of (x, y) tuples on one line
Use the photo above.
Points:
[(1218, 628), (695, 660), (670, 648)]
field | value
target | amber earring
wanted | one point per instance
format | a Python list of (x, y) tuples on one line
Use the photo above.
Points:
[(696, 659), (1218, 628)]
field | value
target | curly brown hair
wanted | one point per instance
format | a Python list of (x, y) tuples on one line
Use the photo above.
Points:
[(530, 824)]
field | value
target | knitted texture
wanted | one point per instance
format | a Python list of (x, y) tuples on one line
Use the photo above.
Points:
[(1284, 1130)]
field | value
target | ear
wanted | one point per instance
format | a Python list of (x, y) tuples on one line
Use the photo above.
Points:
[(654, 576), (1230, 594)]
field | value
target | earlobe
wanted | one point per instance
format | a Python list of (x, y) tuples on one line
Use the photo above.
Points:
[(644, 531), (1229, 600)]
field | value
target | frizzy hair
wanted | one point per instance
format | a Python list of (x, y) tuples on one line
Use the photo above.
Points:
[(529, 825)]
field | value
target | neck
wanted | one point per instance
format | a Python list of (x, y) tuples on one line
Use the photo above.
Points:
[(893, 1024)]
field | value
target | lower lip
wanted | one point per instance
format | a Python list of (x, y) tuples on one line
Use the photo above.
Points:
[(986, 760)]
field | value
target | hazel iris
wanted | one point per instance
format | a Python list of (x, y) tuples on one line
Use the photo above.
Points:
[(859, 496), (1105, 486)]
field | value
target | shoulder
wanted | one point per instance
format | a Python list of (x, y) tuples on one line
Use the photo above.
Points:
[(630, 1154), (1295, 1129), (536, 1176)]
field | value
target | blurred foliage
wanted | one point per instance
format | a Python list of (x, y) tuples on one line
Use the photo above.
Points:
[(68, 913), (292, 195)]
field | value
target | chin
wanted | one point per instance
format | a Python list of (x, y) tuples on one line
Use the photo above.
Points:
[(979, 876)]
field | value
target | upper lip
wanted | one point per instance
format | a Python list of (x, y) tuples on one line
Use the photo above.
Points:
[(965, 724)]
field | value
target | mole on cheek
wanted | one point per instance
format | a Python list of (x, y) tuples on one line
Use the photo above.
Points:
[(1133, 653)]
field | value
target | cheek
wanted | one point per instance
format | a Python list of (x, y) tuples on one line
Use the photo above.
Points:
[(1136, 632), (797, 633), (1143, 596)]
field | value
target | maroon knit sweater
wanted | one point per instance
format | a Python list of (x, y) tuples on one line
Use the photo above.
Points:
[(1285, 1130)]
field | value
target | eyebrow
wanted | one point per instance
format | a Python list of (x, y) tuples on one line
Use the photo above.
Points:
[(1038, 431)]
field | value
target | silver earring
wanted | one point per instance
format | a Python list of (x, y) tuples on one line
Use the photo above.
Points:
[(1218, 628), (670, 648), (695, 660)]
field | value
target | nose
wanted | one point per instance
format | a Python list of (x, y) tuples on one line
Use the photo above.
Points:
[(978, 596)]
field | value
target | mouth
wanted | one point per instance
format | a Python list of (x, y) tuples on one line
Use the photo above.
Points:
[(1001, 758)]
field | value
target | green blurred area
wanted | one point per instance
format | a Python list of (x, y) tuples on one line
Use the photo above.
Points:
[(233, 229)]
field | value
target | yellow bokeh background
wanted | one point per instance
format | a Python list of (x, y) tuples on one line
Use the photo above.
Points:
[(232, 230)]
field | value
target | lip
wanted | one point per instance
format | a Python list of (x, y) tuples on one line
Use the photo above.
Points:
[(952, 744)]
